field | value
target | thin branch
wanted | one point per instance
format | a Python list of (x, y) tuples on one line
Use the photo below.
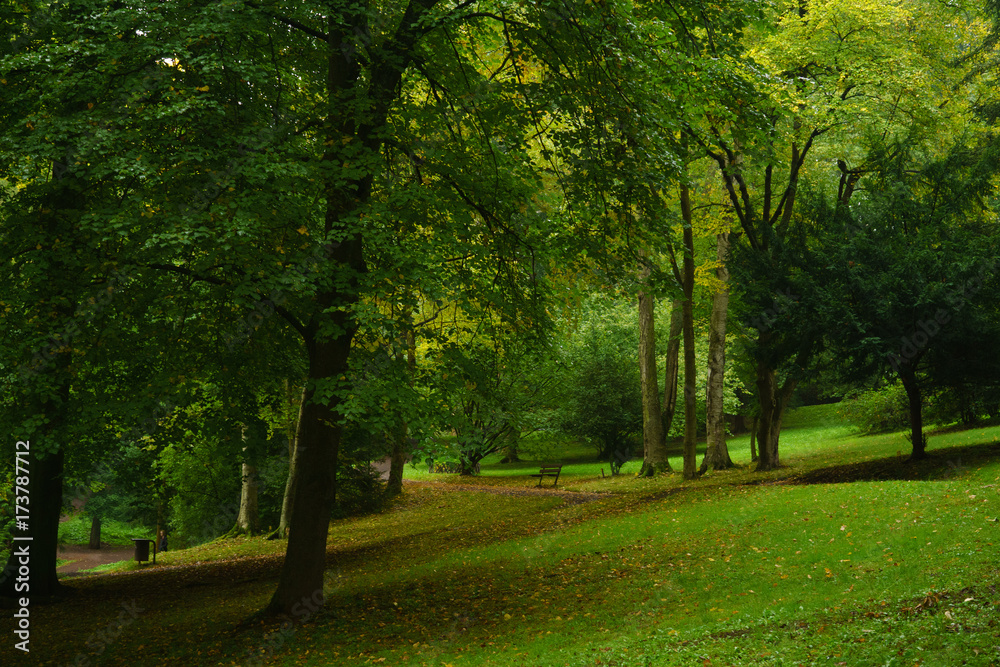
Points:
[(291, 22), (296, 324)]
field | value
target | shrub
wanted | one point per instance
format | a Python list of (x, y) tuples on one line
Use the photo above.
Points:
[(877, 411), (359, 490)]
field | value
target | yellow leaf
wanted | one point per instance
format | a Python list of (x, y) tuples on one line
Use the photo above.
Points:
[(303, 230), (202, 89)]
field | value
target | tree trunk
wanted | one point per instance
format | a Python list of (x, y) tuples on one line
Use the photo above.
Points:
[(248, 520), (161, 512), (716, 452), (909, 378), (654, 445), (291, 483), (773, 401), (509, 450), (690, 415), (316, 449), (400, 447), (329, 331), (95, 533), (753, 440), (394, 486), (31, 568), (327, 336), (672, 371)]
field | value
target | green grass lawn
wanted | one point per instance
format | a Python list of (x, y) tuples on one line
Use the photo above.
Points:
[(846, 556), (76, 530)]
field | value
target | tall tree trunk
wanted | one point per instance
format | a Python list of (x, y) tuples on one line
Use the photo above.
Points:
[(248, 520), (31, 568), (316, 451), (327, 338), (654, 445), (329, 331), (95, 533), (672, 371), (690, 414), (767, 396), (912, 387), (717, 452), (753, 440), (400, 447), (288, 501)]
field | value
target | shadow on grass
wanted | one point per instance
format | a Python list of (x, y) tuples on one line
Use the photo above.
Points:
[(941, 464)]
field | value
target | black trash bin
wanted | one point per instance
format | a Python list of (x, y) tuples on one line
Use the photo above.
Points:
[(142, 549)]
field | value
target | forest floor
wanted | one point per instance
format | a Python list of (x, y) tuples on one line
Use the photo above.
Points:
[(846, 556)]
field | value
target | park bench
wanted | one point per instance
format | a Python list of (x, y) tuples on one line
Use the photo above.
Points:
[(548, 471)]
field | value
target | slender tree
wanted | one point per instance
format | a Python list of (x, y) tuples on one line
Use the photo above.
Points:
[(717, 453)]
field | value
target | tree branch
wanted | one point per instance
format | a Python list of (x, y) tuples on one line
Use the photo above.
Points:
[(292, 23)]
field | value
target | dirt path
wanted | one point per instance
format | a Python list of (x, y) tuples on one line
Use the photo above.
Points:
[(85, 558)]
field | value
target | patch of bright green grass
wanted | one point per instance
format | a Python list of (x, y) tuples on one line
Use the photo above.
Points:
[(117, 566), (76, 530)]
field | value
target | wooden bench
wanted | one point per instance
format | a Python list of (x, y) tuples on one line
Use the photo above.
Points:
[(548, 471)]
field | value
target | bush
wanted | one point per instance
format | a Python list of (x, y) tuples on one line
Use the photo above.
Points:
[(359, 490), (963, 404), (877, 411)]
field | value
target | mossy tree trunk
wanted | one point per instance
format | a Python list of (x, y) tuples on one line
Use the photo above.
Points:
[(400, 444), (291, 482), (690, 414), (654, 445), (95, 533), (672, 371), (716, 452), (248, 519), (773, 401)]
